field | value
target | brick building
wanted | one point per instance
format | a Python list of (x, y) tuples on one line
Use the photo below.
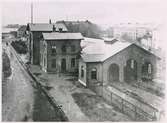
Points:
[(59, 51), (34, 32), (103, 62)]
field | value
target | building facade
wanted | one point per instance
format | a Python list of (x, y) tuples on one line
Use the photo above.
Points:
[(60, 52), (34, 32)]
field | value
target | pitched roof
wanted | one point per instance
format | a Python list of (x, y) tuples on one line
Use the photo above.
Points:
[(97, 50), (100, 51), (46, 27), (61, 36)]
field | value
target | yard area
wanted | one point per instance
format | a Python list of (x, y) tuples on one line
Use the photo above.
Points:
[(78, 103), (96, 109)]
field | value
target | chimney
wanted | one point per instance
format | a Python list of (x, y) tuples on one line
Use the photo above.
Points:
[(50, 21), (54, 28)]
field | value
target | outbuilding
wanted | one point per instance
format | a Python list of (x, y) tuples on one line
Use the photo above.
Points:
[(104, 62)]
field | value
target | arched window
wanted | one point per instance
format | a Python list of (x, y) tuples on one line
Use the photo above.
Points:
[(73, 48), (82, 71), (63, 49), (147, 68), (94, 73)]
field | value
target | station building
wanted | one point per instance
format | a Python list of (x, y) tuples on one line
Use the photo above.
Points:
[(60, 52)]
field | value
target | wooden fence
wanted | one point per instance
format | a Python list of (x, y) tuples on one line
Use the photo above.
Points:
[(137, 113)]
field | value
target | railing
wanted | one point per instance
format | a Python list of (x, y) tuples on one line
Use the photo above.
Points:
[(136, 109), (130, 109)]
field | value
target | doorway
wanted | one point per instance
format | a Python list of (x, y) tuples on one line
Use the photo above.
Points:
[(113, 73)]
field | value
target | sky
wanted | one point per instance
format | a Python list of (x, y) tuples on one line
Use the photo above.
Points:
[(106, 12)]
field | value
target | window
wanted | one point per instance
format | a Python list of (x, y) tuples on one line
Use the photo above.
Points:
[(60, 29), (72, 48), (63, 49), (132, 64), (54, 63), (73, 62), (93, 73), (53, 50), (82, 71), (149, 69)]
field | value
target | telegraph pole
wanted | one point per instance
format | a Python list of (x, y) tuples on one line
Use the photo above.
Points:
[(31, 12)]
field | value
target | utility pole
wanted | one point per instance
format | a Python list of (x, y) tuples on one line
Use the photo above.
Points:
[(31, 12)]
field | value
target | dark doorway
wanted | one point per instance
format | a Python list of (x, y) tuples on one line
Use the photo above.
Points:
[(63, 65), (130, 70), (113, 73)]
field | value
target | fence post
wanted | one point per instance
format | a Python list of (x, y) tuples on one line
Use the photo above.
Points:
[(135, 113), (154, 116), (122, 105)]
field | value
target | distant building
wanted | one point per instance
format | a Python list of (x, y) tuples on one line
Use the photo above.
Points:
[(139, 33), (86, 28), (59, 51), (34, 32), (103, 62), (21, 31)]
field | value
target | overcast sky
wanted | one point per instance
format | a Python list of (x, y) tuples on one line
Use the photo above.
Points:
[(97, 11)]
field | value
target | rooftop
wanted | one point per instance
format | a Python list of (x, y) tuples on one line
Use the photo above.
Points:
[(98, 50), (62, 36), (46, 27)]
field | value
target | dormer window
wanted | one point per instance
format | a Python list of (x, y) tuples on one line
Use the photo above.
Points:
[(60, 29)]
